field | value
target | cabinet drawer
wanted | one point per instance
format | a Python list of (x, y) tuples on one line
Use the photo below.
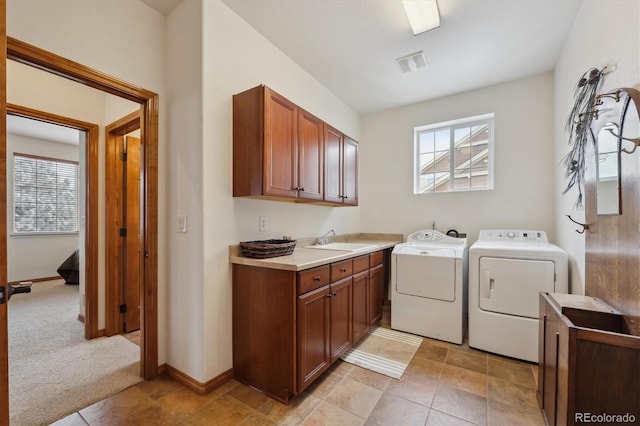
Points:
[(360, 263), (342, 269), (375, 259), (313, 278)]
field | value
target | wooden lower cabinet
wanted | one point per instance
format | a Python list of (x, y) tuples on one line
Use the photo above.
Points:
[(289, 327), (588, 363), (340, 317), (376, 286), (313, 334), (324, 329), (360, 305)]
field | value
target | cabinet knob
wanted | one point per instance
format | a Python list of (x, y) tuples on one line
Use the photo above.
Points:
[(328, 295), (301, 189), (316, 278), (343, 269), (334, 294)]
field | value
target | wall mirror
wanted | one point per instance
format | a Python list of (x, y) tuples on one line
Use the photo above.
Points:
[(608, 170)]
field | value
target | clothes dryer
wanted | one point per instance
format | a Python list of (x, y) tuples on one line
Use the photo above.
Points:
[(507, 271), (429, 284)]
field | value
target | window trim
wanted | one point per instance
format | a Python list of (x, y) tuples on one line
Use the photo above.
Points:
[(451, 125), (17, 233)]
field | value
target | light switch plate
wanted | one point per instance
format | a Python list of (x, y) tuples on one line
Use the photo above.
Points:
[(182, 224)]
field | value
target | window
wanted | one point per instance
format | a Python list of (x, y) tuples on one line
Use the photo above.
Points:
[(45, 195), (454, 156)]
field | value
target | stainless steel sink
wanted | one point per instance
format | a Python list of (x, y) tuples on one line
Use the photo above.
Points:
[(342, 246)]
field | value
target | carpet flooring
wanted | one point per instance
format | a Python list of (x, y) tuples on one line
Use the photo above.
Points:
[(53, 369), (384, 351)]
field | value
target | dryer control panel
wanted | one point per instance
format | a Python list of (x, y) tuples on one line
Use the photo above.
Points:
[(513, 235)]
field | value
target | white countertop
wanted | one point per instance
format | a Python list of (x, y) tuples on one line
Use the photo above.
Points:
[(305, 258)]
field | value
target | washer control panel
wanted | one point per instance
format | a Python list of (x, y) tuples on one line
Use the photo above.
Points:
[(431, 236), (513, 235)]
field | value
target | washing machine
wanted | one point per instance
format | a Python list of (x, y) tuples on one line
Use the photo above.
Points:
[(429, 285), (507, 271)]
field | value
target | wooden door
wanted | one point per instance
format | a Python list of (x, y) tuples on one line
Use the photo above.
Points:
[(350, 172), (360, 306), (280, 146), (310, 156), (332, 165), (313, 335), (132, 243), (341, 315), (376, 278), (4, 345)]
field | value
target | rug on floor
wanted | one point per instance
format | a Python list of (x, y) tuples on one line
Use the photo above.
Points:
[(384, 351)]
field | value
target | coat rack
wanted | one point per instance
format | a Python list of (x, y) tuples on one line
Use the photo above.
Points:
[(590, 114)]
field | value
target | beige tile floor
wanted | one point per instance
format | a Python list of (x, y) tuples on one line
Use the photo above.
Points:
[(445, 384)]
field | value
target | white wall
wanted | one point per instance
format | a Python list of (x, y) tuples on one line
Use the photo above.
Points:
[(30, 257), (122, 38), (523, 171), (603, 34), (204, 70)]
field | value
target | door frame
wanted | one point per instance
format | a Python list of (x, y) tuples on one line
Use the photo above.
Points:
[(91, 201), (149, 104), (4, 340), (113, 212)]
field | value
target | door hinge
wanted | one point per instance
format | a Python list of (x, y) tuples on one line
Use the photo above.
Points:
[(123, 232), (123, 156), (2, 296), (123, 309)]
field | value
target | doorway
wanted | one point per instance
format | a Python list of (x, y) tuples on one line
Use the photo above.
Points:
[(90, 246), (149, 102)]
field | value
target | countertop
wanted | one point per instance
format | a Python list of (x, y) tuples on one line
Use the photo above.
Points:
[(304, 258)]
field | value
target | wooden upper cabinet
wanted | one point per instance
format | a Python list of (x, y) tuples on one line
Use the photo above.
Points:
[(332, 165), (350, 171), (280, 146), (340, 167), (280, 151), (310, 156)]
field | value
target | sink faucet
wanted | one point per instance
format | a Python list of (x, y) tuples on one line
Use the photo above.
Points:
[(323, 240)]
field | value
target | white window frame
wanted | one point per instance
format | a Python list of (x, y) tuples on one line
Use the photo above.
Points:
[(451, 126), (36, 230)]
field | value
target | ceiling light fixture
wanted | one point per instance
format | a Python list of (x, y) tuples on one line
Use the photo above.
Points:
[(423, 15), (412, 62)]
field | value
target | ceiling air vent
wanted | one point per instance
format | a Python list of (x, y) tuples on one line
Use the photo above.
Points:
[(412, 62)]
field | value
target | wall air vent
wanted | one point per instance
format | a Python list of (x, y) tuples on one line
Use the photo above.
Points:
[(412, 62)]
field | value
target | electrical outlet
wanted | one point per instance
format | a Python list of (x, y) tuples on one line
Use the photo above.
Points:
[(263, 223)]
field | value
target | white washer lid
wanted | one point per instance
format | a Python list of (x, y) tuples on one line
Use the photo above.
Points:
[(413, 249)]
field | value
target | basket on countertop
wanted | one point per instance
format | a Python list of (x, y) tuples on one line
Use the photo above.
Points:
[(267, 248)]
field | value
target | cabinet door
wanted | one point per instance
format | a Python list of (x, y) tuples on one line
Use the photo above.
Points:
[(313, 335), (548, 357), (360, 306), (280, 146), (340, 317), (332, 165), (310, 156), (376, 281), (350, 172)]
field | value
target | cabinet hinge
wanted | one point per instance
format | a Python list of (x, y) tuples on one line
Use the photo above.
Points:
[(123, 156), (123, 232), (123, 309)]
